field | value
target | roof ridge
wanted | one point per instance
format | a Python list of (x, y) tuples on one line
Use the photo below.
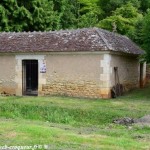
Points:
[(103, 38), (49, 31)]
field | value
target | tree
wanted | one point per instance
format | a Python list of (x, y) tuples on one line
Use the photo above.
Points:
[(13, 17), (108, 6), (67, 13), (125, 19), (89, 13), (32, 16), (22, 18), (44, 17), (146, 36), (3, 19), (145, 5)]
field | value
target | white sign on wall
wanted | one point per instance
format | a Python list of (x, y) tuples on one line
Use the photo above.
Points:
[(43, 67)]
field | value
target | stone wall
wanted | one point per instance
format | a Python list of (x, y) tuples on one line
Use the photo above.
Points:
[(7, 75), (128, 71), (105, 76), (73, 75), (89, 75), (73, 89)]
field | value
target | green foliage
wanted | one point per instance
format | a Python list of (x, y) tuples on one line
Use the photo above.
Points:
[(145, 5), (89, 13), (21, 18), (38, 15), (89, 6), (3, 19), (88, 20), (125, 19), (44, 18), (108, 6), (67, 13), (20, 15), (145, 37)]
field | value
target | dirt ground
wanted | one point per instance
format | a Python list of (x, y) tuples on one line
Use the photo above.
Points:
[(143, 121)]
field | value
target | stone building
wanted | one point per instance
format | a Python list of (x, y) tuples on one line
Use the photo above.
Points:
[(78, 63)]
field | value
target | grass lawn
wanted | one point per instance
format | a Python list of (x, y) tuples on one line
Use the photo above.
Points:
[(73, 123)]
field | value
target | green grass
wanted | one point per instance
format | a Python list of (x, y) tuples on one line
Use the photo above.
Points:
[(25, 132), (73, 123)]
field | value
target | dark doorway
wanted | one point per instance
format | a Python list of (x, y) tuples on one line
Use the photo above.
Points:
[(141, 75), (30, 77)]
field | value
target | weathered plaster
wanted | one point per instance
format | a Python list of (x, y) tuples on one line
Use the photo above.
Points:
[(128, 71), (7, 74)]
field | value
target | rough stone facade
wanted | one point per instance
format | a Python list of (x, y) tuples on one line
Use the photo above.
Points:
[(74, 89), (72, 74), (128, 71), (75, 75)]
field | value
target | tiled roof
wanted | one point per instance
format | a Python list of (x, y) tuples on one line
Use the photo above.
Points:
[(87, 39)]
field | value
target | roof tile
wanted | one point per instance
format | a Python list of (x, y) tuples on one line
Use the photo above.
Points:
[(87, 39)]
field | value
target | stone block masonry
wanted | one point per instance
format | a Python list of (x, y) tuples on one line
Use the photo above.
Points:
[(105, 86), (87, 89), (74, 75), (127, 72)]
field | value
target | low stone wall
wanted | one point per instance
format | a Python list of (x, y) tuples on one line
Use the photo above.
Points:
[(81, 89)]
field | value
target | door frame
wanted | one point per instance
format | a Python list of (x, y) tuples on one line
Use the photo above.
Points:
[(19, 70)]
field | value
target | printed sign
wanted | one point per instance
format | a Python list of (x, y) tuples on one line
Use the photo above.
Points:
[(43, 67)]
